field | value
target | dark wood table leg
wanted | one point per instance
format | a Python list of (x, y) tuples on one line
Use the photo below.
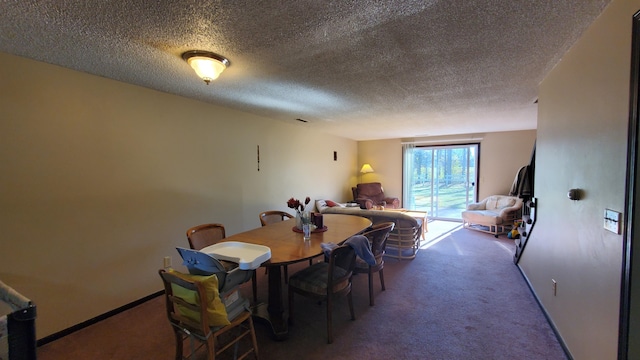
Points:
[(273, 312)]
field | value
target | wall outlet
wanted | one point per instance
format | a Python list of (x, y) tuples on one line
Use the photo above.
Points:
[(554, 287), (167, 262)]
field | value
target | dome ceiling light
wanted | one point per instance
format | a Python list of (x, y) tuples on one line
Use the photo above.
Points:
[(207, 65)]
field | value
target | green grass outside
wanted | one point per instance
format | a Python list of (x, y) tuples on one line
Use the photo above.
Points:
[(450, 200)]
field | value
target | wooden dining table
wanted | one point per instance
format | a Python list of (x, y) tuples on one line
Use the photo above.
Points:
[(288, 247)]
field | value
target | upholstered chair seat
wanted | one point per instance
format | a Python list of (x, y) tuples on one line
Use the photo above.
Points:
[(314, 279)]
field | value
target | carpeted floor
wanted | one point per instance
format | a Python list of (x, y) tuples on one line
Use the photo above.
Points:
[(460, 298)]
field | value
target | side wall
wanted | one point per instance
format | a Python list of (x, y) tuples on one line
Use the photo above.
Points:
[(101, 179), (501, 156), (582, 137)]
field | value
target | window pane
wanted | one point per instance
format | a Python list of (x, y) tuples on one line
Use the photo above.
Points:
[(442, 180)]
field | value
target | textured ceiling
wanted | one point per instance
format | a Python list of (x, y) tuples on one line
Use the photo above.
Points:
[(360, 69)]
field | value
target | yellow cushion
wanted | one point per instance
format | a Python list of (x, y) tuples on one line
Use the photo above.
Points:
[(217, 313)]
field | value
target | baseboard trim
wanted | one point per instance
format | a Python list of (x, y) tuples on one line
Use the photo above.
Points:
[(82, 325), (546, 314)]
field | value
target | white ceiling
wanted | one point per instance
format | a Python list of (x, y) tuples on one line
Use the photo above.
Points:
[(359, 69)]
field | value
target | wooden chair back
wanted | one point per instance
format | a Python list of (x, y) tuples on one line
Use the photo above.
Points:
[(204, 235), (201, 330), (343, 257), (378, 236), (273, 216)]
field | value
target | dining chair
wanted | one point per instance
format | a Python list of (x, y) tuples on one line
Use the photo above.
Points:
[(201, 236), (204, 235), (324, 281), (378, 239), (204, 321), (273, 216)]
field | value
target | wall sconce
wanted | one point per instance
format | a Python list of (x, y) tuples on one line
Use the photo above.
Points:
[(207, 65), (366, 168), (575, 194)]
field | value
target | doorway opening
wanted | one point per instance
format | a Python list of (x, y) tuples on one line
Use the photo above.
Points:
[(440, 179)]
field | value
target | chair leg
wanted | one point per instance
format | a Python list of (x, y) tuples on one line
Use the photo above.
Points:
[(233, 336), (370, 288), (286, 274), (211, 348), (329, 320), (179, 344), (350, 298), (290, 305), (254, 287), (253, 338), (382, 279)]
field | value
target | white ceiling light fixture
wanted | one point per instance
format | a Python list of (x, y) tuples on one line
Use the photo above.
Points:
[(208, 65)]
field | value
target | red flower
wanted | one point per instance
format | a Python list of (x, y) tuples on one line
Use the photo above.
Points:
[(297, 205)]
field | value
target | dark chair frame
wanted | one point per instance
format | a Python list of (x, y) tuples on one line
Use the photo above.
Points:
[(377, 236), (343, 257)]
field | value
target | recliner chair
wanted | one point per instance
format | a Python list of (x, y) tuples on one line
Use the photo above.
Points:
[(369, 195)]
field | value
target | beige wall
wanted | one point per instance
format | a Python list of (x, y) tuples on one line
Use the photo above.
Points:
[(385, 156), (582, 136), (101, 179), (501, 156)]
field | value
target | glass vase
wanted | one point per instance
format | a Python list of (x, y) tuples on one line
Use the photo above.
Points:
[(298, 220)]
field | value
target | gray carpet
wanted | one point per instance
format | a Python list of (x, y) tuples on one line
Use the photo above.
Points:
[(460, 298)]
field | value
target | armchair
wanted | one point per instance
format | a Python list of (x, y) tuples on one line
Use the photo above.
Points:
[(368, 195), (494, 215)]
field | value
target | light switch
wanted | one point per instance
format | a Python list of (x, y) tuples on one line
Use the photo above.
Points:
[(612, 221)]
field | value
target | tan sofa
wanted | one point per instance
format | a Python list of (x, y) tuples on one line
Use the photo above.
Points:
[(403, 241), (495, 214)]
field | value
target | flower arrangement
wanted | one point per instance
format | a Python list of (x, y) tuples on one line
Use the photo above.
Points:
[(297, 205), (299, 208)]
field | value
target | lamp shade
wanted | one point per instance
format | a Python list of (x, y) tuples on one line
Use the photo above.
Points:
[(366, 168), (206, 64)]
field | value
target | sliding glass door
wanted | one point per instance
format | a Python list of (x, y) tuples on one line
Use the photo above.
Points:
[(440, 179)]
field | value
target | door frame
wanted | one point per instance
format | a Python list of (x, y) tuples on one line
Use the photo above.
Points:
[(628, 321)]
